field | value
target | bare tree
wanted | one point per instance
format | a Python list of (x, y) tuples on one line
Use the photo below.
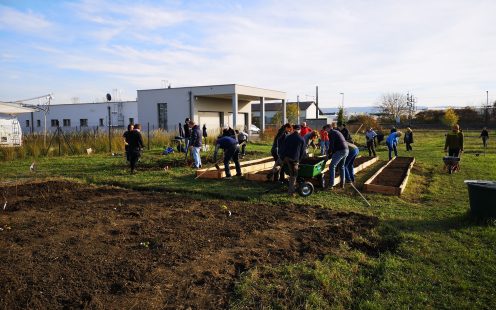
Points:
[(393, 104)]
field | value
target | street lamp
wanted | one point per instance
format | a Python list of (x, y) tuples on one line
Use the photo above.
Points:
[(342, 99)]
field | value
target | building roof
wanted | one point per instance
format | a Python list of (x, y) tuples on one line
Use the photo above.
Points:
[(7, 108)]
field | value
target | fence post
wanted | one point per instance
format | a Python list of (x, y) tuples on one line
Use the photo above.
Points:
[(110, 129), (148, 135)]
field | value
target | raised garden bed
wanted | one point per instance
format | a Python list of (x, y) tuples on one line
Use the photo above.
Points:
[(246, 167), (392, 178), (360, 164)]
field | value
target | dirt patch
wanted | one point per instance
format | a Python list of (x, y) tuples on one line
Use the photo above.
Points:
[(394, 174), (70, 245)]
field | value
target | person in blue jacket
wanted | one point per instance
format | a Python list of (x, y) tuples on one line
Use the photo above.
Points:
[(230, 147), (293, 152), (338, 151), (392, 142)]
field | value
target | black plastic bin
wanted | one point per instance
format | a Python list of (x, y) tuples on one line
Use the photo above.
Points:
[(482, 195)]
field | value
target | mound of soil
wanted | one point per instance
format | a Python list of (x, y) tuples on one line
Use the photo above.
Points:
[(71, 245)]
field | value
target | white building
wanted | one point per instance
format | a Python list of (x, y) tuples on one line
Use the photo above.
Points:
[(214, 106), (81, 116), (308, 110), (10, 129)]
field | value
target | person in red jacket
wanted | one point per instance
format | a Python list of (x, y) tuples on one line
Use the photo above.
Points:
[(305, 129)]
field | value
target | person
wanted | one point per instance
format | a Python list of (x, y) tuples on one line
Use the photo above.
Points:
[(485, 136), (187, 135), (242, 140), (345, 132), (393, 129), (338, 151), (380, 137), (135, 144), (125, 135), (309, 139), (277, 149), (370, 136), (408, 139), (350, 161), (454, 142), (205, 134), (305, 129), (392, 143), (228, 132), (195, 143), (292, 153), (324, 140), (231, 152)]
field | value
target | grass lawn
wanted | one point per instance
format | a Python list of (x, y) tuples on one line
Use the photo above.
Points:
[(437, 256)]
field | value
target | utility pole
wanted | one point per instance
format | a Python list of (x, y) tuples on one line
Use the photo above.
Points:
[(487, 108), (298, 107), (317, 101)]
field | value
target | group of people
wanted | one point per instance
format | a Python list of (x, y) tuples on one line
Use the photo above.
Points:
[(290, 147)]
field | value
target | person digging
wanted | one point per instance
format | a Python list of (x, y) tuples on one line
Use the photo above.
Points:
[(292, 154), (231, 152)]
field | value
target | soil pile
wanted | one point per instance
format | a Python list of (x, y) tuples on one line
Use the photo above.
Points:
[(73, 245)]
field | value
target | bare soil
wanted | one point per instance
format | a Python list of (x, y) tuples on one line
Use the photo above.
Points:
[(394, 174), (72, 245)]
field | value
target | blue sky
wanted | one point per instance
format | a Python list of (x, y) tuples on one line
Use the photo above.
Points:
[(441, 50)]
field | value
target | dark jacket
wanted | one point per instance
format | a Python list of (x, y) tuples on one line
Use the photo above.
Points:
[(226, 143), (195, 138), (135, 142), (346, 134), (454, 140), (337, 141), (187, 131), (294, 147), (484, 133), (275, 145), (408, 137)]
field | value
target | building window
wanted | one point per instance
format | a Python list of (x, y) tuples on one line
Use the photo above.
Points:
[(54, 122), (162, 115), (83, 122), (131, 120), (67, 123), (101, 122), (27, 123)]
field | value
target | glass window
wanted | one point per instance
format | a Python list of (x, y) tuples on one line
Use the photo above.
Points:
[(67, 123), (54, 122), (162, 115), (83, 122), (27, 123), (131, 120), (101, 122)]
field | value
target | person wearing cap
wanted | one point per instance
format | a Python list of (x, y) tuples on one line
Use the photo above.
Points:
[(195, 143), (292, 154), (231, 152), (338, 151)]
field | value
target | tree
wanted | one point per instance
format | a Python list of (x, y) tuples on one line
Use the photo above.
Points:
[(450, 117), (393, 105), (291, 114), (367, 121), (341, 119)]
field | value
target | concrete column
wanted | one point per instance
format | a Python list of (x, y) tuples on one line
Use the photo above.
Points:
[(235, 109), (262, 114), (284, 118)]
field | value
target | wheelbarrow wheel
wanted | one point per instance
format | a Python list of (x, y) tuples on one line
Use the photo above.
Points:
[(450, 169), (305, 189)]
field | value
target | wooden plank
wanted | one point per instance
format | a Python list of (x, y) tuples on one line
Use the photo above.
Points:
[(209, 173), (405, 180)]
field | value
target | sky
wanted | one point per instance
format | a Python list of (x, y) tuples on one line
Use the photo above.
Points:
[(441, 51)]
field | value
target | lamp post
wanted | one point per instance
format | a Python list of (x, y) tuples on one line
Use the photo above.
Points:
[(342, 99), (487, 108)]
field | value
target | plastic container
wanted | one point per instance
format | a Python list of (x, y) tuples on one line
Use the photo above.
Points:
[(482, 195)]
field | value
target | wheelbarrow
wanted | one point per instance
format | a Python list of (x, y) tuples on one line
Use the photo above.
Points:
[(451, 163), (309, 169)]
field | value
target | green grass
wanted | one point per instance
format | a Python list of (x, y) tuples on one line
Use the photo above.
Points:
[(441, 258)]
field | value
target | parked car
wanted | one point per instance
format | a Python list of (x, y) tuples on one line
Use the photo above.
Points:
[(254, 129)]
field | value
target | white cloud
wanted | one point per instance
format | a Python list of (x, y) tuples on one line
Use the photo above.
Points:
[(28, 22)]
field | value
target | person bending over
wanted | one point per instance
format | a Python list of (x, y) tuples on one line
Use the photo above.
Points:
[(231, 152)]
